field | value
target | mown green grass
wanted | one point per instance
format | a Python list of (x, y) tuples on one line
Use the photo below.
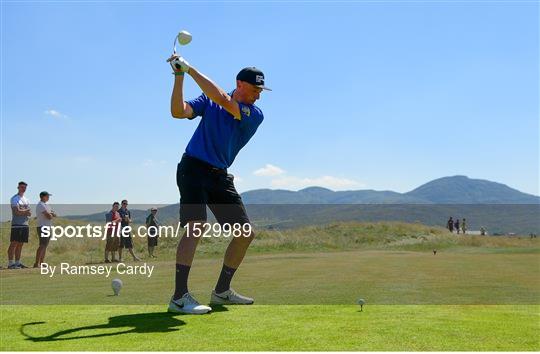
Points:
[(276, 328)]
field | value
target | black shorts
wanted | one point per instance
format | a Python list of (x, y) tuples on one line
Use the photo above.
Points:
[(200, 185), (19, 233), (43, 241), (152, 241), (152, 235), (126, 242)]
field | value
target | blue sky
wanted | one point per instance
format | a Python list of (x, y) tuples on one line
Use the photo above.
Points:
[(384, 95)]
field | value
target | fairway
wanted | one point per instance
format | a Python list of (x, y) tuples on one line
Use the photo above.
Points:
[(276, 328), (338, 278)]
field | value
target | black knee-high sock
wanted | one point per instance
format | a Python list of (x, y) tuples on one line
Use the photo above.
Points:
[(182, 273), (224, 281)]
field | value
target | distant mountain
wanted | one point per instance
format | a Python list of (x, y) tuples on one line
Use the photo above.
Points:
[(464, 190), (484, 203), (446, 190), (319, 195)]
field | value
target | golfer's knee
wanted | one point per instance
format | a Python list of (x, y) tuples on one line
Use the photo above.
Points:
[(247, 236)]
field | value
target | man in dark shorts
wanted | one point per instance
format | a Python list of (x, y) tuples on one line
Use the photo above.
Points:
[(20, 211), (228, 122), (125, 241), (152, 232)]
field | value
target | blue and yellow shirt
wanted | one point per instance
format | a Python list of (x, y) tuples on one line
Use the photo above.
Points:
[(219, 135)]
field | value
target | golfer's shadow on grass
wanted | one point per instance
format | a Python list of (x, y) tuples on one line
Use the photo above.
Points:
[(156, 322)]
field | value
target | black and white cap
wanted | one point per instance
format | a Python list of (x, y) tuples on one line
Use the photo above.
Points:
[(253, 76)]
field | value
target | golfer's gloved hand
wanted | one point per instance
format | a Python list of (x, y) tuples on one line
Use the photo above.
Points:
[(179, 64)]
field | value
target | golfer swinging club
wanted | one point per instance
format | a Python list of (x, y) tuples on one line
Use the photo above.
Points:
[(228, 121)]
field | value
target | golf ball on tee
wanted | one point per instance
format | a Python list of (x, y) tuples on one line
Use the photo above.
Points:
[(116, 286)]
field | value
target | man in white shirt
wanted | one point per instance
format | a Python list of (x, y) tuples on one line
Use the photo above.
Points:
[(20, 211), (44, 215)]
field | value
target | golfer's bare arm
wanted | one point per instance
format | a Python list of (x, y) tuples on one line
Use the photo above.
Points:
[(215, 93), (180, 109)]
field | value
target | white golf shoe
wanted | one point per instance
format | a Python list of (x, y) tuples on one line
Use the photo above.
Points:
[(230, 297), (188, 304)]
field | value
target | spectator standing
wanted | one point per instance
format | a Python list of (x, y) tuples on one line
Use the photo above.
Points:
[(44, 216), (126, 241), (450, 224), (114, 219), (152, 225), (20, 214)]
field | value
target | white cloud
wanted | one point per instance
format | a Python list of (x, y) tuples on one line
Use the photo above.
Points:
[(331, 182), (268, 170), (282, 180), (56, 114)]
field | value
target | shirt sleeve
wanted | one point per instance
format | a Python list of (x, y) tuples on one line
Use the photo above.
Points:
[(14, 202), (198, 105)]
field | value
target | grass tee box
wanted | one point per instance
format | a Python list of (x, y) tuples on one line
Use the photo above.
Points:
[(276, 328)]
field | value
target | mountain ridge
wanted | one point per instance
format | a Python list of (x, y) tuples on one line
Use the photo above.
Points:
[(457, 189)]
